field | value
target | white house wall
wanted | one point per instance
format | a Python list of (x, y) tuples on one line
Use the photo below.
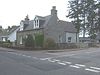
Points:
[(12, 36), (73, 37)]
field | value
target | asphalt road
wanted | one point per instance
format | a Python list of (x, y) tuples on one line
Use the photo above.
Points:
[(83, 62)]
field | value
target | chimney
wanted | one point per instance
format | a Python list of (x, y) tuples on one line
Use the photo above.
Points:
[(54, 11)]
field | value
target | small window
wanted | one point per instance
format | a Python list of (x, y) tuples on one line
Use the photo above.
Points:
[(69, 39)]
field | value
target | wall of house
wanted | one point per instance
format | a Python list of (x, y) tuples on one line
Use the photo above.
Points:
[(70, 37), (22, 34), (50, 30), (57, 32), (12, 36)]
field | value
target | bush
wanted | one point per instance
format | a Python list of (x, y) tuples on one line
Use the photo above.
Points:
[(29, 41), (1, 42), (49, 44), (39, 39), (5, 44)]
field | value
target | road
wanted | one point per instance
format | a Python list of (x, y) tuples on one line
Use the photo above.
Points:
[(83, 62)]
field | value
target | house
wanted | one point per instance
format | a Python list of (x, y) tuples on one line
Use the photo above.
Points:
[(12, 33), (51, 26), (9, 34)]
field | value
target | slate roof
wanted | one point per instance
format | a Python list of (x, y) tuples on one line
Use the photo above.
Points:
[(67, 26), (30, 26), (40, 17), (63, 25), (12, 29), (5, 32), (45, 18)]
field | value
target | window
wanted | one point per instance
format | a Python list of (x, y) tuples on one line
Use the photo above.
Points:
[(36, 23), (69, 39)]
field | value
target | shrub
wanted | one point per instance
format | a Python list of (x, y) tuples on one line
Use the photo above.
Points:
[(39, 39), (29, 41), (49, 43), (5, 44)]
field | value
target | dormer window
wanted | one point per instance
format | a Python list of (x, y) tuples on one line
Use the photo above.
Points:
[(36, 23)]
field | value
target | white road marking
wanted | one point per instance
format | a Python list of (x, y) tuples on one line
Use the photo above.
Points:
[(67, 62), (80, 65), (44, 58), (34, 57), (9, 52), (28, 56), (74, 66), (92, 70), (51, 60), (95, 68), (19, 54), (24, 55), (55, 60), (61, 63)]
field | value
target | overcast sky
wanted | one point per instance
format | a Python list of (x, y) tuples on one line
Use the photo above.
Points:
[(13, 11)]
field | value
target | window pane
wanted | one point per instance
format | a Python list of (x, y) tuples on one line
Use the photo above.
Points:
[(69, 39)]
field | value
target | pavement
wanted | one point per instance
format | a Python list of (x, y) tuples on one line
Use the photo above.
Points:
[(81, 62)]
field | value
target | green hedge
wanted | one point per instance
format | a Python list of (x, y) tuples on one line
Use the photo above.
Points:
[(49, 44), (39, 39)]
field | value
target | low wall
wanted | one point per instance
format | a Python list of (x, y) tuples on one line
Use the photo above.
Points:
[(82, 45), (66, 45), (75, 45)]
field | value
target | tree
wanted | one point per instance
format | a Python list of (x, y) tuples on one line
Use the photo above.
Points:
[(91, 18), (84, 16), (74, 13), (98, 16), (29, 41)]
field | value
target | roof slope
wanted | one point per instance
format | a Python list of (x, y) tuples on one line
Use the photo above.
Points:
[(67, 26), (30, 26), (12, 29), (45, 22)]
